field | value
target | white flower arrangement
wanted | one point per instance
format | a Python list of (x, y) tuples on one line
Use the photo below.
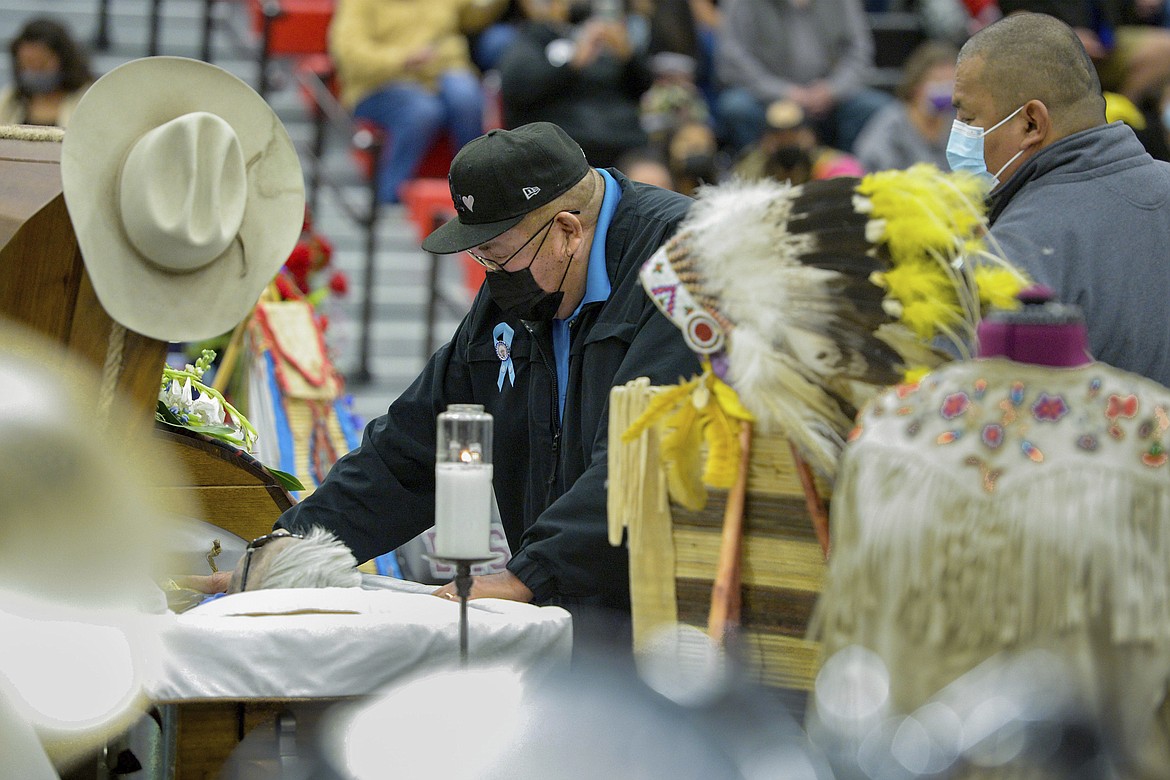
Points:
[(185, 401)]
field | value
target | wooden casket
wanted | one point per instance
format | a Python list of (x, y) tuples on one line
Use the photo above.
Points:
[(44, 286)]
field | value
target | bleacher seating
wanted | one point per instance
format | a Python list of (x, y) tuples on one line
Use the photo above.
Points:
[(426, 197), (284, 28)]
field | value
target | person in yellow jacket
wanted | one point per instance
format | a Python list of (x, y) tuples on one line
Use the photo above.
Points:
[(404, 65)]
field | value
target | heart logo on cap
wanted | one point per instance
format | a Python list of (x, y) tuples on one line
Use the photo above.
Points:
[(469, 202)]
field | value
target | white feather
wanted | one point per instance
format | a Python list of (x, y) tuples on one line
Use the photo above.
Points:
[(744, 254), (801, 359), (782, 397)]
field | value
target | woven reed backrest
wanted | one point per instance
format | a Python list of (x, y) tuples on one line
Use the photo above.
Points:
[(674, 551)]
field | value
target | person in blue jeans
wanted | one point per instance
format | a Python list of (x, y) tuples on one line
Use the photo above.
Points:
[(414, 116), (405, 66), (816, 54)]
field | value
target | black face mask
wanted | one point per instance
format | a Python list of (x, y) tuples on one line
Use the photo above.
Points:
[(39, 82), (789, 163), (520, 296), (789, 157), (700, 167), (517, 292), (580, 11)]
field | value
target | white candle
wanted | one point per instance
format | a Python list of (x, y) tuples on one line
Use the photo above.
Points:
[(463, 510)]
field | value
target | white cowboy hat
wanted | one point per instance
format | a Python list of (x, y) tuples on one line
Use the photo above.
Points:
[(186, 195)]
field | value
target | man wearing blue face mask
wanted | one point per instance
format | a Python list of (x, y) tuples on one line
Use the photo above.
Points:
[(1075, 201)]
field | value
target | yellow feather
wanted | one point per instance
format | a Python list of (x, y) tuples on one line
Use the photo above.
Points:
[(923, 209), (931, 223), (1120, 107), (728, 400), (918, 281), (702, 409), (681, 447), (661, 405), (914, 375), (924, 316), (998, 287), (722, 435)]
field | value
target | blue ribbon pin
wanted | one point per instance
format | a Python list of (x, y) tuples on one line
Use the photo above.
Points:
[(503, 336)]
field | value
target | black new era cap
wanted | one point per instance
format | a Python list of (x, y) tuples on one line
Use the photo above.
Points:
[(499, 177)]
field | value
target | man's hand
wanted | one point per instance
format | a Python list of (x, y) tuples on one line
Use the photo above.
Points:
[(614, 37), (421, 57), (205, 583), (597, 35), (816, 98), (504, 585)]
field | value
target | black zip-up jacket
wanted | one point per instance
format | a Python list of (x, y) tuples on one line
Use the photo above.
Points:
[(550, 481)]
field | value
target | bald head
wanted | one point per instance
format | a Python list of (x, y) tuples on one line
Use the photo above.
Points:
[(1031, 56)]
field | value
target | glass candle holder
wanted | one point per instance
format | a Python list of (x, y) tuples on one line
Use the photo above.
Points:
[(463, 483)]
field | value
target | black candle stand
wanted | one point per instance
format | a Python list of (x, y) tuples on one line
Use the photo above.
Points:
[(463, 591)]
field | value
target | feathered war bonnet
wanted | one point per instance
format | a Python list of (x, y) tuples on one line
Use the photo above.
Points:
[(810, 299)]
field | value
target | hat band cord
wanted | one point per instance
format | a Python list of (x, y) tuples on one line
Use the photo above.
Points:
[(243, 256), (111, 370), (239, 237)]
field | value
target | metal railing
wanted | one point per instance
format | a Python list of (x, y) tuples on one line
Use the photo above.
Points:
[(328, 114)]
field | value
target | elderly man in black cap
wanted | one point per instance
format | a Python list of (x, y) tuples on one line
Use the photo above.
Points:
[(561, 319)]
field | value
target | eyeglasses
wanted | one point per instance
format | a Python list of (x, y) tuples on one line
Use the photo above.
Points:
[(256, 544), (492, 265)]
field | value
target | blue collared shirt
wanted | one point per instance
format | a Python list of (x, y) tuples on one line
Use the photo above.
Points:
[(597, 286)]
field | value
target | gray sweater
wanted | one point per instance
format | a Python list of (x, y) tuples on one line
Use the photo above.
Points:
[(767, 46), (890, 140), (1089, 216)]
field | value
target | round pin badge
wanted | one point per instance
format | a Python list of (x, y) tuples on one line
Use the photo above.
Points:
[(704, 334)]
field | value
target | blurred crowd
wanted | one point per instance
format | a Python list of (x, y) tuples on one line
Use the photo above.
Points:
[(675, 92), (682, 92)]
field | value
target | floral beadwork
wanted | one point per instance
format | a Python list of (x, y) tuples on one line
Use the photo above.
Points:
[(1009, 412), (988, 474), (1049, 408), (1002, 427), (905, 390), (992, 435), (1121, 406), (954, 405), (1031, 451), (1156, 456), (1016, 394)]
